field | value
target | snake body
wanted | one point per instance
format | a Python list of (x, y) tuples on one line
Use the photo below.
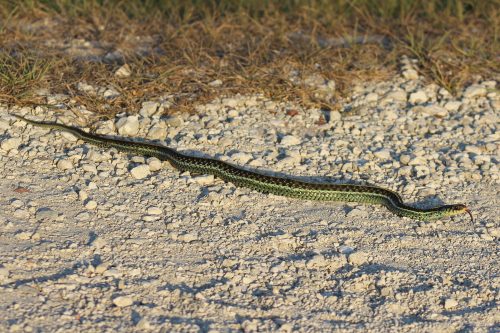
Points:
[(282, 186)]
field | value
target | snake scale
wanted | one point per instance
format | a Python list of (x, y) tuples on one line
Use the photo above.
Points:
[(282, 186)]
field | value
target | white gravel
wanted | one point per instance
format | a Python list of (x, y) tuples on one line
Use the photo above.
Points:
[(96, 240)]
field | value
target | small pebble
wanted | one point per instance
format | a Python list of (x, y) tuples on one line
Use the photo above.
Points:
[(123, 72), (187, 238), (383, 154), (154, 164), (204, 179), (344, 249), (9, 144), (154, 211), (4, 273), (157, 132), (410, 74), (149, 109), (358, 258), (450, 303), (123, 301), (91, 204), (452, 105), (371, 97), (46, 213), (174, 121), (418, 97), (317, 261), (357, 213), (431, 110), (140, 171), (290, 140), (241, 158), (82, 195), (16, 203), (475, 91), (128, 125), (397, 95), (65, 164)]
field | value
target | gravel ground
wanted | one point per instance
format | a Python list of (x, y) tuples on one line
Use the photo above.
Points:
[(93, 239)]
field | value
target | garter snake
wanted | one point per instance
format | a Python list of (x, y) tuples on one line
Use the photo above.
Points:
[(282, 186)]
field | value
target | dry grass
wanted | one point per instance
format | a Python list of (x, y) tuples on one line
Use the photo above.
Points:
[(179, 47)]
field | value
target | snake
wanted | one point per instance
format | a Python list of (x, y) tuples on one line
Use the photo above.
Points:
[(277, 185)]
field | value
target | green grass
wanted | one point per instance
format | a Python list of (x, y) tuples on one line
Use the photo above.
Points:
[(249, 45), (21, 74)]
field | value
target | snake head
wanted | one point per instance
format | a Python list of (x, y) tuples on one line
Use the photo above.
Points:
[(458, 209)]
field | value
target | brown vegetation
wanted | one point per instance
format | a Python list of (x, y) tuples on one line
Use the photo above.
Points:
[(181, 48)]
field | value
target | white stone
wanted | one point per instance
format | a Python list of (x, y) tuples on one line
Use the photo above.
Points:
[(335, 116), (357, 213), (288, 161), (23, 235), (4, 125), (358, 258), (154, 164), (101, 268), (150, 218), (450, 303), (452, 105), (157, 132), (187, 238), (89, 168), (82, 195), (397, 95), (345, 249), (410, 74), (21, 213), (405, 159), (149, 108), (418, 97), (290, 140), (12, 143), (215, 83), (317, 261), (241, 158), (16, 203), (86, 88), (99, 242), (4, 273), (431, 110), (140, 171), (123, 301), (371, 97), (204, 179), (83, 216), (389, 114), (233, 114), (69, 136), (314, 80), (91, 204), (123, 71), (128, 125), (174, 121), (46, 213), (474, 91), (110, 93), (383, 154), (154, 211), (65, 164)]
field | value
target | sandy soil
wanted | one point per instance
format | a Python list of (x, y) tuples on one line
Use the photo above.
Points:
[(85, 246)]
